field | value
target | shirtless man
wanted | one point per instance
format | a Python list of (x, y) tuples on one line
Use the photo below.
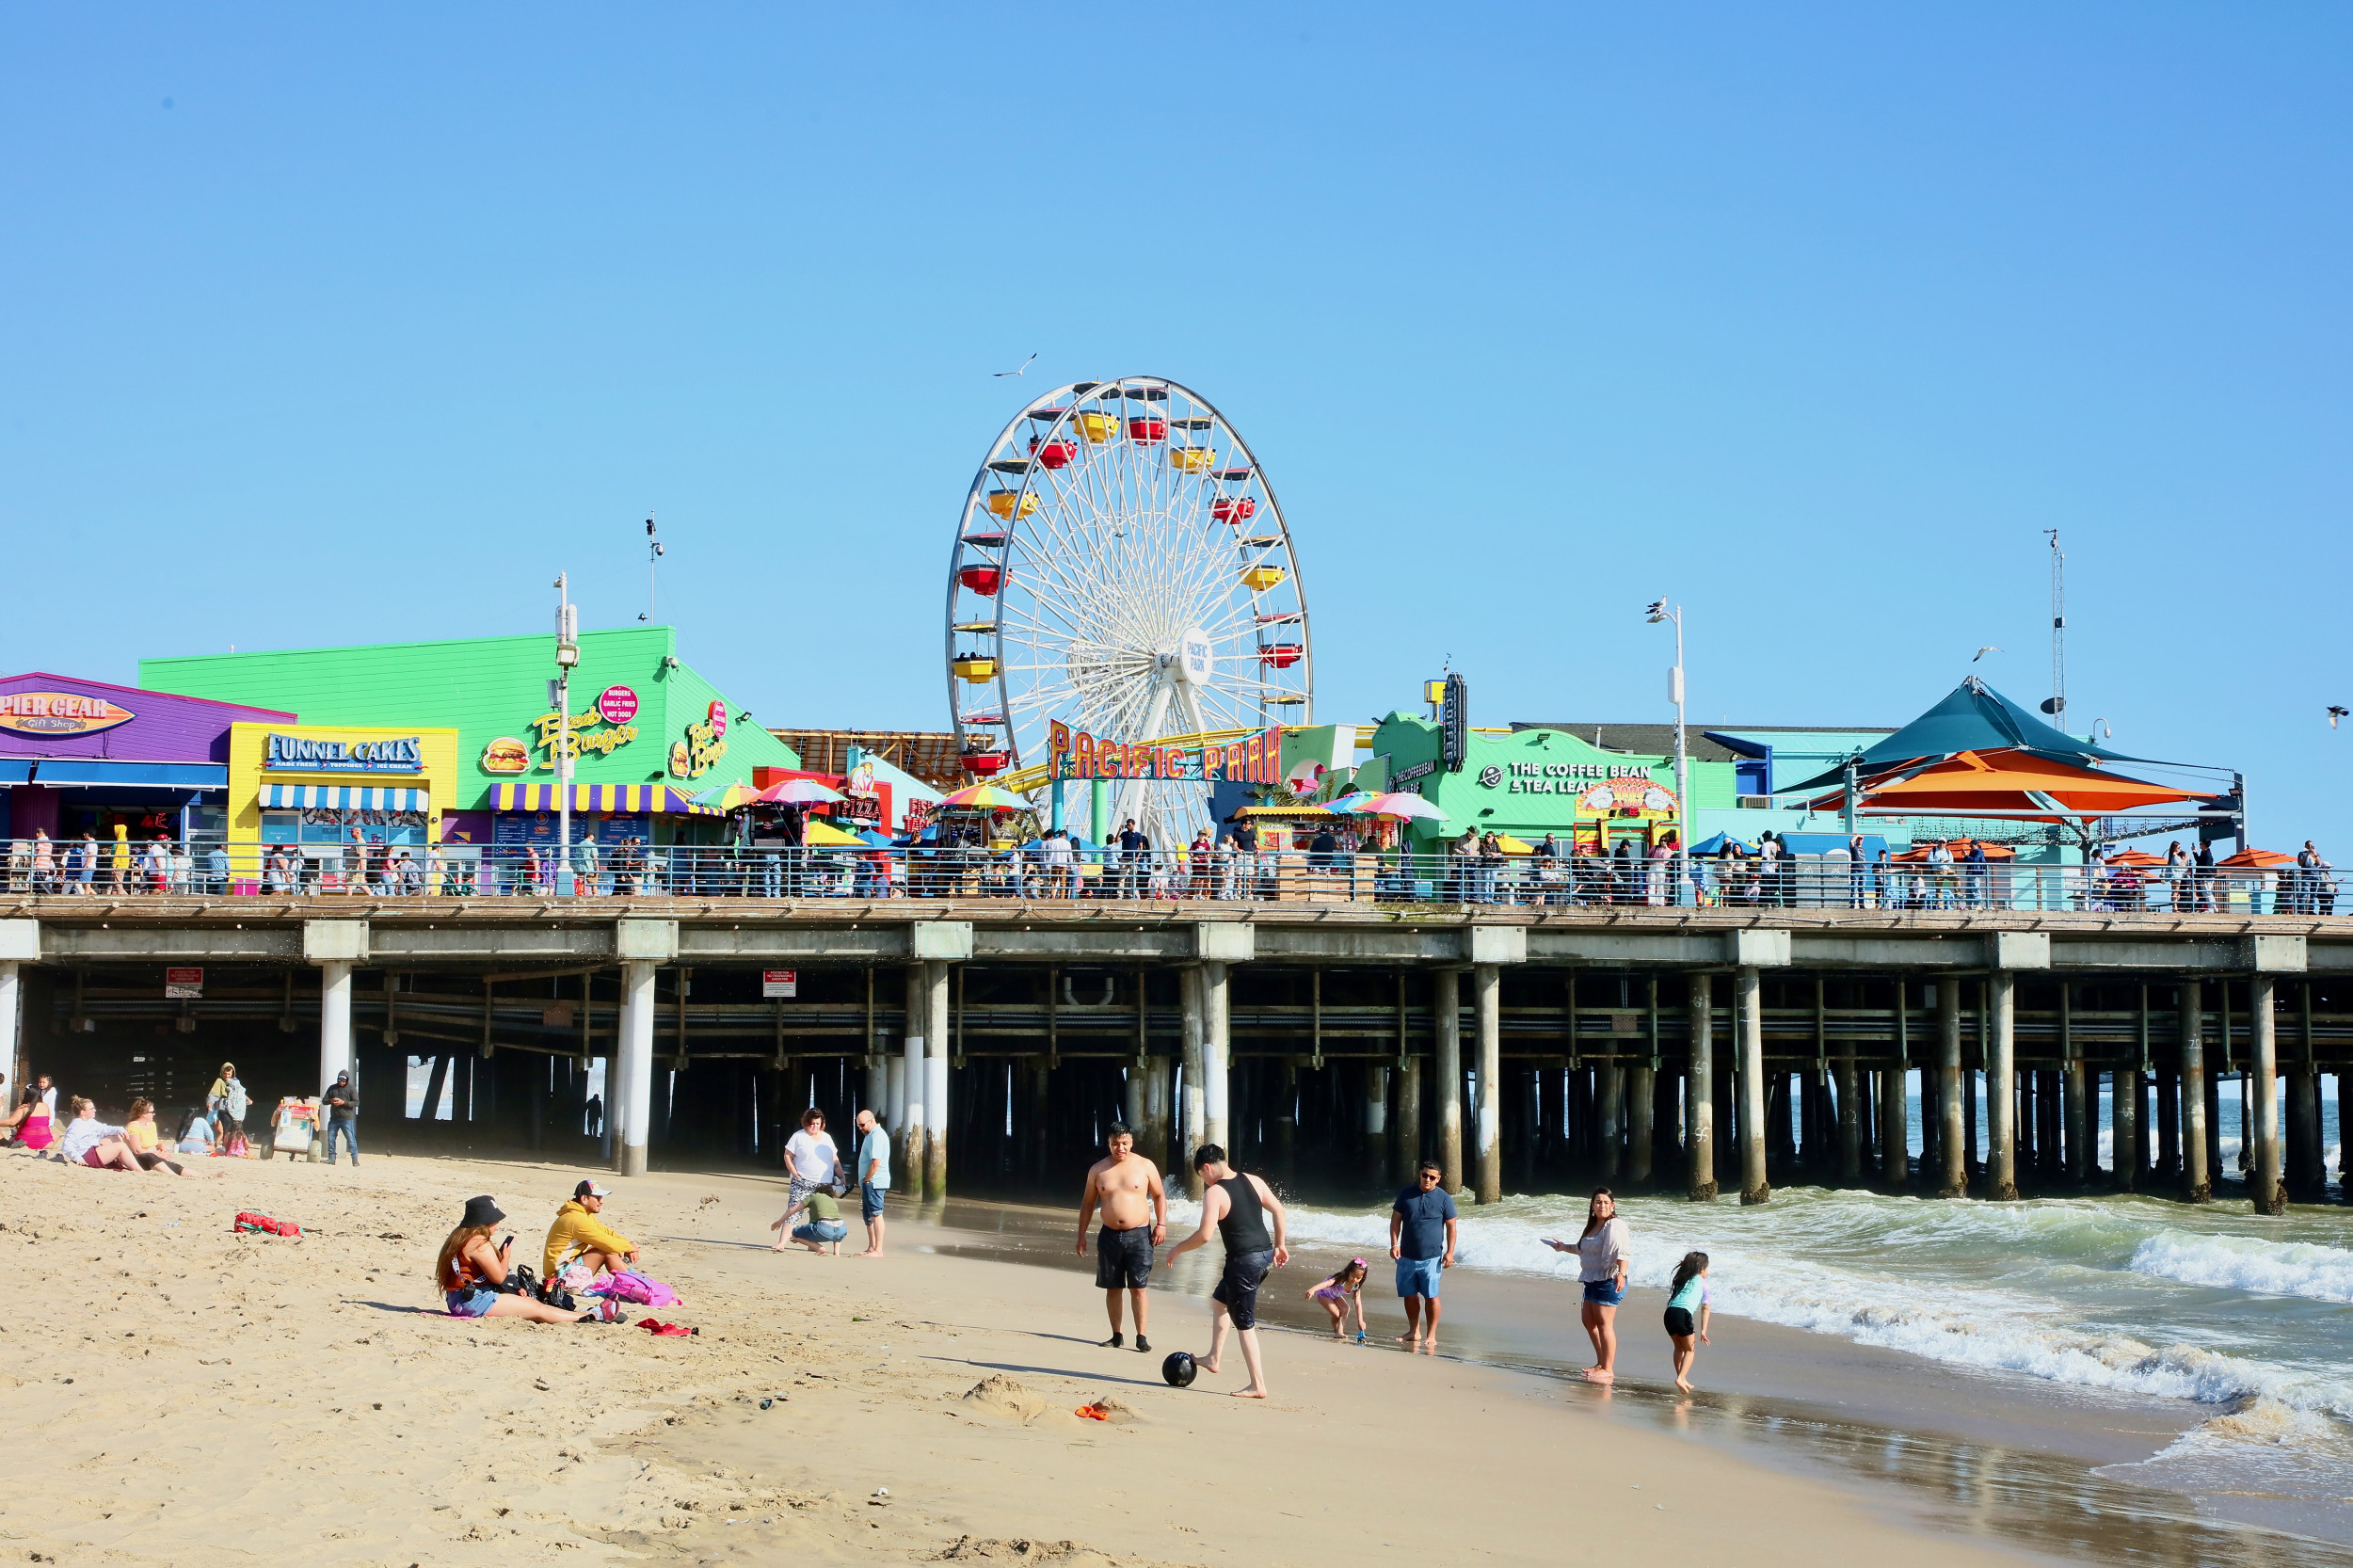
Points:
[(1135, 1220), (1250, 1221)]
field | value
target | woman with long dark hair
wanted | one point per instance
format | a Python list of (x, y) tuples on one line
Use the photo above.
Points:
[(1601, 1259), (471, 1270)]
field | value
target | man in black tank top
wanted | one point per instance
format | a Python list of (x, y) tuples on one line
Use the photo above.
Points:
[(1241, 1208)]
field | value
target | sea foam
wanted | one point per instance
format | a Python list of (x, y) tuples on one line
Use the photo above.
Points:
[(2247, 1263)]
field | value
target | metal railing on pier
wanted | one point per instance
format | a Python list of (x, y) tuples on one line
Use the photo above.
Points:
[(90, 868)]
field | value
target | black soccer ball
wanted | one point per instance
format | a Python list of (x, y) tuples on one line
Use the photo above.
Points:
[(1179, 1370)]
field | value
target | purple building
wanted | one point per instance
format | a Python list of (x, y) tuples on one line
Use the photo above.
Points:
[(83, 756)]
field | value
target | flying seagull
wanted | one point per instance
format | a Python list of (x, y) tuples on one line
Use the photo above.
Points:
[(1015, 371), (2335, 713), (1982, 652)]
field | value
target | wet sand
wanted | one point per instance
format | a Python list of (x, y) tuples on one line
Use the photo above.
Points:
[(1960, 1448)]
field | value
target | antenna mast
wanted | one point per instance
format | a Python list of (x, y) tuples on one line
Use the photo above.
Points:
[(2056, 707)]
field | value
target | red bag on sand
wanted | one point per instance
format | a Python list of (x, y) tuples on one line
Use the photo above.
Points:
[(666, 1331), (247, 1220)]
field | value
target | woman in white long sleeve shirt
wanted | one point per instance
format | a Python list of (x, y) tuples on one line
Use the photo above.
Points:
[(1601, 1258)]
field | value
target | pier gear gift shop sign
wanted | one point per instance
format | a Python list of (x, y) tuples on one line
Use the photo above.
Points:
[(1076, 754)]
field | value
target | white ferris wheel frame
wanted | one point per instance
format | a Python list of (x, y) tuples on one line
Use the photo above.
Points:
[(1055, 570)]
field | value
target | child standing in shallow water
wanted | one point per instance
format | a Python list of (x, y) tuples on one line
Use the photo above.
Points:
[(1345, 1285), (1687, 1297)]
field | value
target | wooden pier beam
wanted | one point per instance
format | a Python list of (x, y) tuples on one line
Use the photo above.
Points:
[(2270, 1195), (1486, 993), (2001, 1085), (2197, 1177), (1952, 1147), (1748, 1006), (1446, 1010), (1699, 1093)]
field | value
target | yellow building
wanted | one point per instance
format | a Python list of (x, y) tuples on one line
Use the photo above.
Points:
[(317, 785)]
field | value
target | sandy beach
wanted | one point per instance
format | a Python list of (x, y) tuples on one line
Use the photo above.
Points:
[(175, 1391)]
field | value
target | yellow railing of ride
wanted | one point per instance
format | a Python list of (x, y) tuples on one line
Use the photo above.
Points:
[(1027, 779)]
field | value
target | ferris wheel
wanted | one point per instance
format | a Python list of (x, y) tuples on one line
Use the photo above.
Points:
[(1121, 566)]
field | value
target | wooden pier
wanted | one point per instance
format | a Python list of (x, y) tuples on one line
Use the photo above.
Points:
[(1331, 1047)]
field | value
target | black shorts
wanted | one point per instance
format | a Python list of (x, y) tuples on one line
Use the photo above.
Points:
[(1123, 1258), (1238, 1287), (1679, 1323)]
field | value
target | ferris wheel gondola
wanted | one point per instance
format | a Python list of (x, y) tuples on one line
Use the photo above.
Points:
[(1121, 564)]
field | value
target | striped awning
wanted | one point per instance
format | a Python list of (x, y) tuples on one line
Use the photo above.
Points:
[(342, 797), (622, 800)]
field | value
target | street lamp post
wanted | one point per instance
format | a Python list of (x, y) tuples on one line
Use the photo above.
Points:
[(1659, 612), (567, 656)]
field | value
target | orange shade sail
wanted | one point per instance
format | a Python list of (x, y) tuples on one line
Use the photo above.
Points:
[(2016, 784), (1961, 848)]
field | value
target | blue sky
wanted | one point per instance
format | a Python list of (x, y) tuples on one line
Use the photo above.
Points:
[(346, 324)]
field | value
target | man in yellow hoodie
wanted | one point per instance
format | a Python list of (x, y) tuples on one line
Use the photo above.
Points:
[(578, 1236)]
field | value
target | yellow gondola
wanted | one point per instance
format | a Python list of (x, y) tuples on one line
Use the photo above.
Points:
[(1192, 459), (1003, 502), (1259, 579), (975, 668), (1097, 427)]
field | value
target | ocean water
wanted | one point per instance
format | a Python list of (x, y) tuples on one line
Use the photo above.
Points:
[(2247, 1320)]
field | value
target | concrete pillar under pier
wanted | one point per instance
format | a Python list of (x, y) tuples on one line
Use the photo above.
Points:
[(1951, 1139), (1193, 1131), (1376, 1122), (936, 1082), (1216, 1053), (1699, 1099), (1894, 1132), (2001, 1085), (1848, 1085), (2078, 1093), (1748, 1007), (1642, 1104), (1407, 1144), (1486, 992), (1613, 1097), (2197, 1177), (2270, 1195), (2124, 1157), (1447, 1005), (637, 1064), (2306, 1170), (334, 1020)]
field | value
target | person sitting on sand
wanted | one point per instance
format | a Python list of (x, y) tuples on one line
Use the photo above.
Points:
[(28, 1125), (146, 1143), (1346, 1285), (824, 1228), (470, 1272), (579, 1237), (1685, 1296), (88, 1141), (198, 1139)]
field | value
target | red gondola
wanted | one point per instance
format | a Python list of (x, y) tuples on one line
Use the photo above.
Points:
[(983, 764), (1147, 429), (1235, 509), (1282, 656), (983, 580), (1052, 453)]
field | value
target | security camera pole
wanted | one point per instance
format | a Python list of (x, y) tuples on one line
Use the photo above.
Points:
[(1658, 612), (567, 655)]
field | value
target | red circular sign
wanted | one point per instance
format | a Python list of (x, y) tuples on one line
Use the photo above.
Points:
[(617, 705), (718, 717)]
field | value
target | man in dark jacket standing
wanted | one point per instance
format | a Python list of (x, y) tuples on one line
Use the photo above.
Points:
[(341, 1104)]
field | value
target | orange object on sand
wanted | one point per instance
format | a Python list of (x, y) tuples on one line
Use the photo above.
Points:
[(1092, 1412)]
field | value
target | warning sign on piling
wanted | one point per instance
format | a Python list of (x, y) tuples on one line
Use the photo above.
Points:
[(778, 982), (183, 985)]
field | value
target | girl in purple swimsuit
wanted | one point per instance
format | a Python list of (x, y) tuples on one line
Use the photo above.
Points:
[(1336, 1292)]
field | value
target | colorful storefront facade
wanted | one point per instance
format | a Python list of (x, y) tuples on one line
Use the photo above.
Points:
[(1530, 783), (114, 761), (320, 785), (648, 733)]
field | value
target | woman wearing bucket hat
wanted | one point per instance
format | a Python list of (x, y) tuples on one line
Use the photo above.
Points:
[(471, 1270)]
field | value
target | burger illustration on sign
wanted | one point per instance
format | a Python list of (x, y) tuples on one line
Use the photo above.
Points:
[(505, 755)]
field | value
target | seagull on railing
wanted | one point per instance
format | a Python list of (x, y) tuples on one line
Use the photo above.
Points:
[(1025, 364), (1982, 652)]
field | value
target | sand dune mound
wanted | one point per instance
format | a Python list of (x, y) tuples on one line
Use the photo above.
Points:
[(1000, 1396)]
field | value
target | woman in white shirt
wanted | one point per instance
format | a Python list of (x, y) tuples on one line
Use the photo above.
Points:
[(1601, 1259), (811, 1161)]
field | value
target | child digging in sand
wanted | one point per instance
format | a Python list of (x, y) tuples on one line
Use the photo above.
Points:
[(1336, 1292), (1687, 1296)]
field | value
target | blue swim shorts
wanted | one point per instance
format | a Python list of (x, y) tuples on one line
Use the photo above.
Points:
[(870, 1199), (1607, 1292), (1418, 1276)]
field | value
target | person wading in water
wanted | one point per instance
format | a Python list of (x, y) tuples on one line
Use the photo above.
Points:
[(1239, 1207)]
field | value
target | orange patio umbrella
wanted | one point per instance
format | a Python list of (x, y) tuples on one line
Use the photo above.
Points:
[(2257, 860), (2138, 859), (2016, 784)]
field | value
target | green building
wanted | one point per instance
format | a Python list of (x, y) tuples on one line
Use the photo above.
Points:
[(647, 732)]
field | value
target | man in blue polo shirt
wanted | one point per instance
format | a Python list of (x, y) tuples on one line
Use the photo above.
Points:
[(1421, 1239)]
